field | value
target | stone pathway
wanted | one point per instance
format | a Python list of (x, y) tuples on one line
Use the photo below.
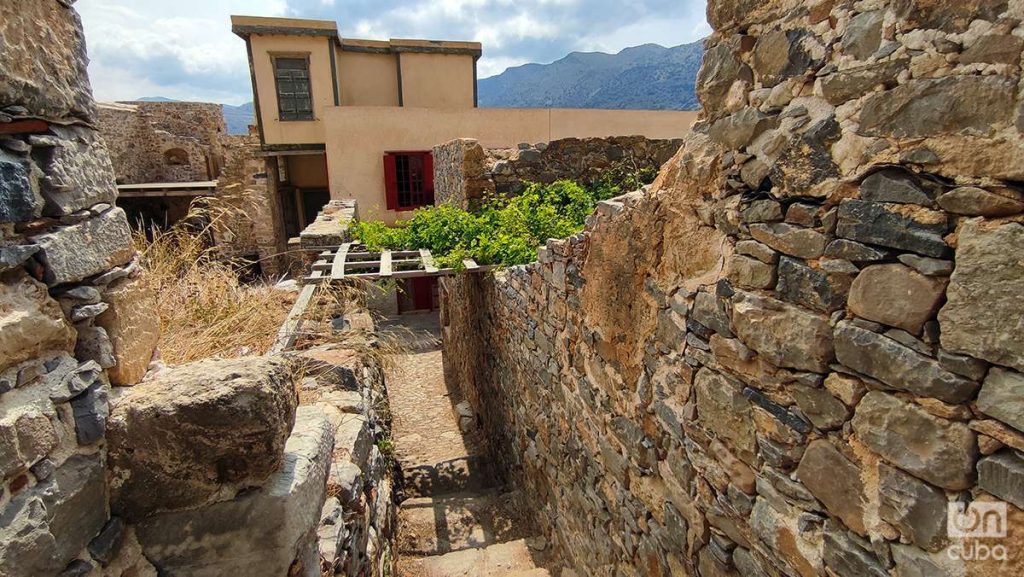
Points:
[(456, 520)]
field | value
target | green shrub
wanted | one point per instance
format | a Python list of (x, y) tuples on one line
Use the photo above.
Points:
[(502, 231)]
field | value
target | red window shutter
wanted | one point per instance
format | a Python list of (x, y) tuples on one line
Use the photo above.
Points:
[(428, 178), (390, 182)]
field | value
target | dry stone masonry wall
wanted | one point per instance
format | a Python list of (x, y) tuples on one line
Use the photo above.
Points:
[(75, 309), (465, 172), (792, 353)]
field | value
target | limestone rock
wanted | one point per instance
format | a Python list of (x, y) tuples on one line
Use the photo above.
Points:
[(896, 295), (863, 34), (789, 239), (995, 49), (198, 433), (823, 409), (853, 83), (28, 432), (936, 450), (718, 72), (845, 555), (16, 255), (835, 481), (31, 322), (710, 311), (133, 326), (94, 345), (258, 532), (19, 190), (77, 173), (898, 366), (780, 54), (984, 314), (894, 227), (757, 250), (750, 273), (1002, 397), (783, 334), (911, 561), (914, 507), (1002, 475), (45, 73), (892, 185), (927, 266), (810, 287), (931, 107), (974, 201), (739, 129), (73, 253), (43, 528), (722, 409), (853, 251)]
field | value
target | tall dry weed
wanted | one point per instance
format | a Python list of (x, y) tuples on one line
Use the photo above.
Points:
[(205, 310)]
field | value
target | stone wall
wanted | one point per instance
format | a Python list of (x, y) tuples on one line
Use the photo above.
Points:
[(76, 314), (163, 141), (250, 224), (801, 344), (465, 172)]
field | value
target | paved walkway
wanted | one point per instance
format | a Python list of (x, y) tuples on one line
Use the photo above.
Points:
[(455, 520)]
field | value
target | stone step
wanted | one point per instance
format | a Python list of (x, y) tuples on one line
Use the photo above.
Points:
[(462, 474), (458, 521), (510, 559)]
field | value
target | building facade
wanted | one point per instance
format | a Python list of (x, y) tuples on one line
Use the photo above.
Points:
[(340, 118)]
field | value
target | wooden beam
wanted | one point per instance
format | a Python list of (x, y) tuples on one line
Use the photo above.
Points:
[(385, 264), (470, 264), (289, 331), (428, 261), (338, 265)]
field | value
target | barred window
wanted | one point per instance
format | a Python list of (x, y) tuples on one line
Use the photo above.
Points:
[(294, 100)]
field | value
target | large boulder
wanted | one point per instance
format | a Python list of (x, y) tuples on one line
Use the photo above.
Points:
[(260, 532), (132, 323), (198, 434), (31, 322)]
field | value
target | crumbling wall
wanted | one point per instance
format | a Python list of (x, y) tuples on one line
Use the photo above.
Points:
[(75, 309), (802, 344), (250, 213), (163, 141), (465, 172)]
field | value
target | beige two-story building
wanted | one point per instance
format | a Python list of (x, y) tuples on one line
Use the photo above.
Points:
[(343, 118)]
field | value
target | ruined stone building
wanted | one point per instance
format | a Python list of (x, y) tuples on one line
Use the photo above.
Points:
[(168, 154)]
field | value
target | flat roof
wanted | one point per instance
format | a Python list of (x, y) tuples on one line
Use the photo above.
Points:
[(246, 26)]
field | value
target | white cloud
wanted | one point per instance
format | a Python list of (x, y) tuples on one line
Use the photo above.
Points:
[(184, 49)]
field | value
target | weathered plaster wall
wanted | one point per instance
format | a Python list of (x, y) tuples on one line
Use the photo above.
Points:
[(358, 137), (465, 172), (802, 343)]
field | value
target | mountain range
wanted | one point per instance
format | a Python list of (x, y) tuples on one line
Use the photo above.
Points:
[(648, 76), (645, 77)]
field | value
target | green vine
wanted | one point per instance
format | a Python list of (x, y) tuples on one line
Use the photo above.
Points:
[(504, 231)]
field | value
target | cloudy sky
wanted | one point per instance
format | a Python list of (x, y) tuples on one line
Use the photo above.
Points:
[(184, 49)]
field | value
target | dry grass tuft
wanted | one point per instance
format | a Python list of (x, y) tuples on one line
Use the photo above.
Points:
[(205, 310)]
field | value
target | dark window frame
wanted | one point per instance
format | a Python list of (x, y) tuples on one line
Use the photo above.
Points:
[(293, 88), (409, 179)]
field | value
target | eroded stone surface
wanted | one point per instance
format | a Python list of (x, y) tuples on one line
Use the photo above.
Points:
[(782, 333), (132, 327), (31, 322), (984, 314), (198, 434), (896, 295), (936, 450), (73, 253)]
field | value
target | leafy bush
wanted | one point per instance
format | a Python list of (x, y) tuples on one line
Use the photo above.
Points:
[(502, 231)]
